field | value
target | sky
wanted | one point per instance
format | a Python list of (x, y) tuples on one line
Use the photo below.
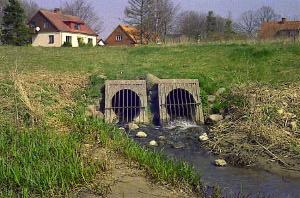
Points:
[(112, 11)]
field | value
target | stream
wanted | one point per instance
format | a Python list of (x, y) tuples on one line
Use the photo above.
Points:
[(180, 142)]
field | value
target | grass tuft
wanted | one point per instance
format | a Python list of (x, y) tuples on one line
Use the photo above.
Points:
[(39, 162)]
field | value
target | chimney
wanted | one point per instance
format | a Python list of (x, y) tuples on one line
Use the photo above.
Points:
[(283, 20), (57, 10)]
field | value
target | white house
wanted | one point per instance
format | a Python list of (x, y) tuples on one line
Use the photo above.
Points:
[(53, 29)]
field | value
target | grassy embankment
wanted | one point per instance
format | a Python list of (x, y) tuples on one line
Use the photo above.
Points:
[(42, 98)]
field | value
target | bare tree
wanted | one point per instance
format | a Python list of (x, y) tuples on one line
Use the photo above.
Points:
[(266, 14), (192, 24), (85, 10), (137, 13), (163, 16), (251, 21), (30, 7), (247, 24)]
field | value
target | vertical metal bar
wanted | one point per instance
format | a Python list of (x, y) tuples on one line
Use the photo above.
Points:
[(182, 103), (119, 105), (186, 107), (131, 109), (168, 103), (178, 101), (135, 110), (174, 103), (123, 102), (127, 110)]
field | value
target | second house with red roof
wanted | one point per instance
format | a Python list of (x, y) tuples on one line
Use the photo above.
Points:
[(54, 29)]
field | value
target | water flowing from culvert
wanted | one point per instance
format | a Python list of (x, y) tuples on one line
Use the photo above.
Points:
[(181, 143)]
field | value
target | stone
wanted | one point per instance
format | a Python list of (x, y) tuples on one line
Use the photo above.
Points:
[(220, 162), (122, 129), (162, 138), (294, 126), (220, 91), (211, 98), (141, 134), (203, 137), (133, 126), (222, 111), (153, 143), (178, 145), (215, 117)]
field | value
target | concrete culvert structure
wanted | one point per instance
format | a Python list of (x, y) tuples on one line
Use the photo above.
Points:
[(125, 101), (181, 105)]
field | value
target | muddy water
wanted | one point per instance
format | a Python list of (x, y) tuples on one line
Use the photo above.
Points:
[(181, 143)]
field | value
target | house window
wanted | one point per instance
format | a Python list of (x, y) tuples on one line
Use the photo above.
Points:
[(90, 41), (77, 26), (119, 38), (51, 39), (33, 24), (69, 39), (46, 24)]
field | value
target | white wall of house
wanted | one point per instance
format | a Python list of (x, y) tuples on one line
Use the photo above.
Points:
[(75, 37), (42, 39)]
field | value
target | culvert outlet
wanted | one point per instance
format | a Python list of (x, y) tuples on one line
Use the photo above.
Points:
[(179, 99), (125, 101)]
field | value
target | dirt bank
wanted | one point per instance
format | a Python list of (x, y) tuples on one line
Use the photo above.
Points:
[(261, 129), (125, 179)]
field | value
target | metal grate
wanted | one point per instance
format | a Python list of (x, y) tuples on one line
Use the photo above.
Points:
[(179, 99), (125, 101)]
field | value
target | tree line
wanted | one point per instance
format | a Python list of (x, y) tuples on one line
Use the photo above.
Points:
[(163, 17), (154, 18)]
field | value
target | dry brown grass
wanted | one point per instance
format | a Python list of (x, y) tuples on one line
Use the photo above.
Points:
[(260, 126), (42, 94)]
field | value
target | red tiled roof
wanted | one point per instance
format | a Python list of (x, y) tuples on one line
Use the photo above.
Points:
[(270, 29), (58, 20)]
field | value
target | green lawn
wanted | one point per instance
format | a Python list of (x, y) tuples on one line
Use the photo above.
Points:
[(212, 64)]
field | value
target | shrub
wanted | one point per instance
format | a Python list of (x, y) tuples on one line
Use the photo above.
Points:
[(67, 44)]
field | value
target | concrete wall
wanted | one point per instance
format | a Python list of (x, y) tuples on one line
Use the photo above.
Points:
[(42, 39)]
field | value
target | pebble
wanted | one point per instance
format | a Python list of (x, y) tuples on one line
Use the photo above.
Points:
[(215, 117), (153, 143), (220, 162), (133, 126), (211, 98), (203, 137), (162, 138), (141, 134), (178, 145)]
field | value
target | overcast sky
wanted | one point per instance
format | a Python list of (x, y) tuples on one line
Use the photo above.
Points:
[(111, 11)]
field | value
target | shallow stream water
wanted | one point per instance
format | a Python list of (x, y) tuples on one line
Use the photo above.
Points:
[(181, 143)]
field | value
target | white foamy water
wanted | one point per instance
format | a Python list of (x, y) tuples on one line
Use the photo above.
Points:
[(182, 124)]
